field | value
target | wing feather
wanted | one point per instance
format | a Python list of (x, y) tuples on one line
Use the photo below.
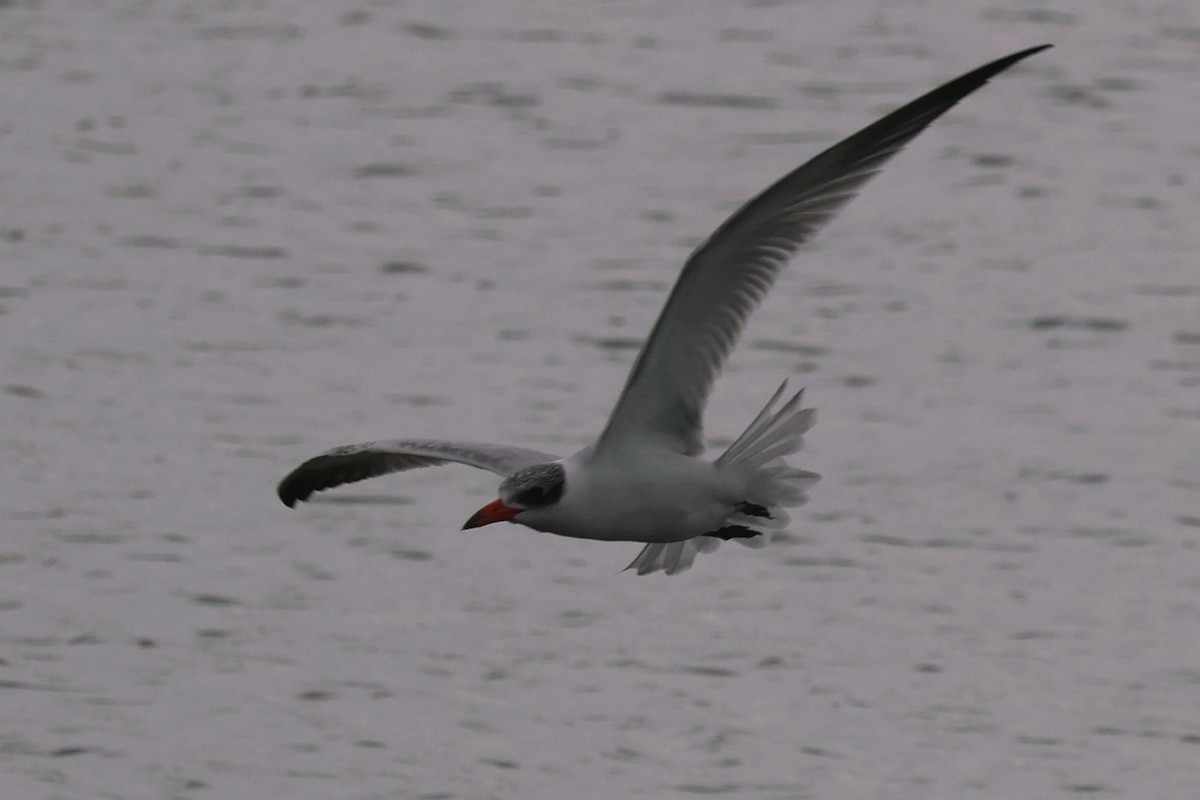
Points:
[(727, 277), (357, 462)]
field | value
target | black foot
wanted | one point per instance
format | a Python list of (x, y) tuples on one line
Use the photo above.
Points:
[(753, 510), (734, 532)]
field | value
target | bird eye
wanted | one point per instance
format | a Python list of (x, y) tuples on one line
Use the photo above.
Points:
[(532, 496)]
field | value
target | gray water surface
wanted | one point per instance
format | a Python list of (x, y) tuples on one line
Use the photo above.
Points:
[(236, 234)]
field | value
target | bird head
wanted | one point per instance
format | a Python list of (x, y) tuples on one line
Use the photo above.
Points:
[(534, 487)]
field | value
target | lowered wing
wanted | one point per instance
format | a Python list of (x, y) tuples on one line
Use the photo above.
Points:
[(357, 462)]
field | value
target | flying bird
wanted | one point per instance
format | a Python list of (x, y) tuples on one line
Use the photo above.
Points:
[(644, 478)]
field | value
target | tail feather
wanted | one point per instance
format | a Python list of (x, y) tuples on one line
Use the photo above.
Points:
[(773, 484), (773, 434), (759, 452), (671, 557), (752, 430)]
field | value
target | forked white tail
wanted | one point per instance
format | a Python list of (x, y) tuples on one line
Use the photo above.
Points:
[(773, 484)]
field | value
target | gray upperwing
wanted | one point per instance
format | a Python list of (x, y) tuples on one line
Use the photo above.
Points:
[(727, 277), (357, 462)]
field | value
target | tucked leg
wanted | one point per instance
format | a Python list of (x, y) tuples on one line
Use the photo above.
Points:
[(734, 532), (752, 509)]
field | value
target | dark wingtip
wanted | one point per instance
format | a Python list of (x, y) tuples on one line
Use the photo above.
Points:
[(286, 498), (289, 492), (1037, 48), (1001, 64), (965, 84), (1026, 53)]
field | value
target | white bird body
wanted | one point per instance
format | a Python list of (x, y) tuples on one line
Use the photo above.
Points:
[(643, 479), (676, 498)]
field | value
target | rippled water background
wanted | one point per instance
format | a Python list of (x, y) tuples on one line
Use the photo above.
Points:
[(235, 234)]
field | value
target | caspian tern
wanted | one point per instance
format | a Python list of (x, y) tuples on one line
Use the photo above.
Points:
[(643, 480)]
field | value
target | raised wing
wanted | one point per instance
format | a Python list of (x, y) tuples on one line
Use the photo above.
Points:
[(728, 276), (357, 462)]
